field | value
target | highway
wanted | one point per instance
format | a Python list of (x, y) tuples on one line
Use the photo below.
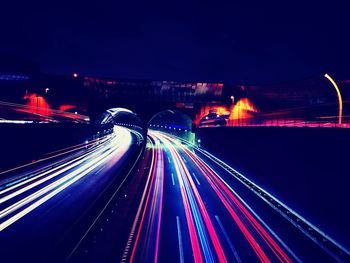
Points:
[(195, 207), (180, 204), (185, 205), (44, 212)]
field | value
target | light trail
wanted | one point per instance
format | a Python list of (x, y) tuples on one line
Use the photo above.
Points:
[(231, 203), (59, 153), (189, 217), (76, 173), (221, 190), (113, 149), (325, 242), (204, 235), (137, 217), (150, 222), (181, 251), (197, 206), (56, 171)]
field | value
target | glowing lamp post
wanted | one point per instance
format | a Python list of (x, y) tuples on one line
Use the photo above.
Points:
[(340, 101), (232, 102), (37, 103)]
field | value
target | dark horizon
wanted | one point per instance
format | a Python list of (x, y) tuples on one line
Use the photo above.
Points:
[(226, 42)]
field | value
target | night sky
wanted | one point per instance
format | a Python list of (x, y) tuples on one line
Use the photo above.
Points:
[(236, 41)]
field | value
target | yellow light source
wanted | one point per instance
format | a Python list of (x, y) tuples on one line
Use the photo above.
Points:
[(339, 97)]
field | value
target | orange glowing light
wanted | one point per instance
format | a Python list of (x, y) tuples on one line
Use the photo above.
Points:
[(75, 75), (242, 109)]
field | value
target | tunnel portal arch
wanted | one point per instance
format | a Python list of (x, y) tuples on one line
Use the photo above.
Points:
[(173, 122), (122, 117)]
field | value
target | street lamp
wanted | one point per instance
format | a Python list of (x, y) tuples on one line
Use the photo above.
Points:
[(340, 101), (232, 111), (37, 104)]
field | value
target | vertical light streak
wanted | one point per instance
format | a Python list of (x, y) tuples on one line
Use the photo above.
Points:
[(189, 218), (152, 211), (221, 189), (209, 225), (257, 249), (144, 211), (185, 179), (181, 251), (340, 101), (136, 220), (160, 177), (259, 252)]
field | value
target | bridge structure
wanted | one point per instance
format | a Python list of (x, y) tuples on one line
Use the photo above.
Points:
[(316, 102)]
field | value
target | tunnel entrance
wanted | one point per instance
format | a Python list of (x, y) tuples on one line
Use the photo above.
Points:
[(122, 117), (173, 122)]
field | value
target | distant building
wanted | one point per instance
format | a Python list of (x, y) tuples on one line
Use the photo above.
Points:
[(169, 91)]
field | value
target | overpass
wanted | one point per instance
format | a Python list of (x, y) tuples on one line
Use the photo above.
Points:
[(310, 100)]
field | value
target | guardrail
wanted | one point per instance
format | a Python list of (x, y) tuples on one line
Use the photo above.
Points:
[(324, 122)]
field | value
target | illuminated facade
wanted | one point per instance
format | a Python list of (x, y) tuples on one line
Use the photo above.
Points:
[(169, 91)]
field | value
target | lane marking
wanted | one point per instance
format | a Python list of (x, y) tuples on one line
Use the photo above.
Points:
[(99, 170), (172, 178), (181, 251), (238, 259), (196, 179), (169, 160)]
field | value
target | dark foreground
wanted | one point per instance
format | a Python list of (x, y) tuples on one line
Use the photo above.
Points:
[(172, 202)]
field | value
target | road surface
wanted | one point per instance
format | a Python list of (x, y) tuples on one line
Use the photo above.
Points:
[(181, 204), (44, 213)]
